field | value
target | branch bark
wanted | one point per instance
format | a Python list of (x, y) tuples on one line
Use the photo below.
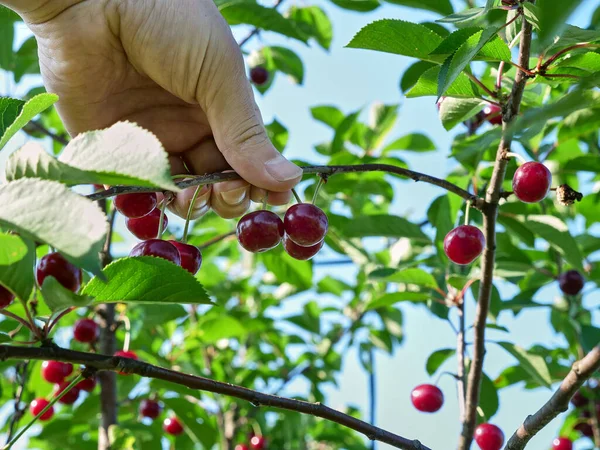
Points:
[(213, 178), (490, 214), (559, 402), (130, 366)]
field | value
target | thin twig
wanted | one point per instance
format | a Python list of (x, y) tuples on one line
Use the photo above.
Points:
[(42, 129), (558, 403), (216, 240), (460, 352), (21, 381), (256, 31), (554, 57), (479, 83), (130, 366)]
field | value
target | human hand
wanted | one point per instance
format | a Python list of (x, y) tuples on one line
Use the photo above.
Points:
[(175, 69)]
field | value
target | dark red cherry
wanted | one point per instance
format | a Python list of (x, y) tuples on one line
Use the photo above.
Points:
[(305, 224), (146, 227), (150, 409), (126, 354), (56, 371), (298, 252), (38, 405), (257, 443), (136, 205), (585, 429), (86, 330), (259, 75), (158, 249), (532, 182), (87, 384), (579, 400), (427, 398), (55, 265), (70, 397), (562, 443), (571, 282), (172, 426), (489, 437), (191, 258), (464, 244), (493, 114), (6, 297), (259, 231)]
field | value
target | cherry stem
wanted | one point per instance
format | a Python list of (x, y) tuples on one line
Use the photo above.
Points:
[(480, 84), (34, 328), (317, 189), (453, 375), (162, 219), (188, 218), (265, 200), (557, 55), (17, 318), (127, 339), (499, 77), (467, 210), (296, 196), (43, 411), (52, 324), (519, 13), (516, 155)]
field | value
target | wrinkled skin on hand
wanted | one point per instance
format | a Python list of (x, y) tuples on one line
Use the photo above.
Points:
[(173, 68)]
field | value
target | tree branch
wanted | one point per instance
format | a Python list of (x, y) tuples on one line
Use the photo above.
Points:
[(559, 402), (42, 129), (490, 213), (21, 380), (130, 366), (256, 31), (213, 178)]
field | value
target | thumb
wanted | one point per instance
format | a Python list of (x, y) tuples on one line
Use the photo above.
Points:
[(226, 96)]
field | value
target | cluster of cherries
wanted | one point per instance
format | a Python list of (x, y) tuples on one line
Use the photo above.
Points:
[(151, 409), (531, 184), (585, 401), (256, 443), (302, 231), (143, 220)]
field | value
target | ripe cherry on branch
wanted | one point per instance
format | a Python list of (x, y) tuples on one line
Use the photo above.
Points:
[(86, 330), (427, 398), (191, 258), (241, 447), (305, 224), (56, 371), (172, 426), (146, 227), (87, 384), (532, 182), (259, 75), (259, 231), (70, 397), (489, 437), (136, 205), (258, 443), (299, 252), (38, 405), (159, 249), (571, 282), (150, 409), (464, 244), (126, 354), (6, 297), (562, 443), (55, 265), (493, 114)]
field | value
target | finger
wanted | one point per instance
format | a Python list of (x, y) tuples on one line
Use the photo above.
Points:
[(205, 158), (231, 198), (257, 195), (177, 165), (181, 204)]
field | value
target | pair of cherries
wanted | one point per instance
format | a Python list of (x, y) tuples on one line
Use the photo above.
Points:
[(151, 409), (302, 231)]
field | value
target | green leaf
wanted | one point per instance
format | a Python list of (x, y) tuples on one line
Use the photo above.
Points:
[(377, 225), (437, 358), (413, 73), (397, 36), (223, 327), (590, 337), (146, 279), (4, 338), (488, 398), (342, 132), (535, 365), (199, 427), (438, 6), (357, 5), (556, 233), (123, 154), (17, 259), (412, 276), (313, 21), (427, 85), (454, 111), (58, 298), (383, 118), (287, 269), (531, 13), (329, 115), (14, 114), (286, 61), (250, 13), (47, 211), (584, 163), (309, 319), (579, 123), (468, 15), (26, 60), (7, 34), (414, 142), (392, 298), (553, 18), (278, 134)]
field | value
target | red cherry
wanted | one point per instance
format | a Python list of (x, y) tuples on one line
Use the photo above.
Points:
[(562, 443), (6, 297), (70, 397), (493, 114), (259, 75), (585, 429), (241, 447), (579, 399), (191, 258), (146, 227), (427, 398), (87, 384), (136, 205), (532, 182), (489, 437), (150, 408), (464, 244), (259, 231), (38, 405), (257, 442), (571, 282), (86, 330), (158, 249), (298, 252), (305, 224), (126, 354), (172, 426), (56, 371), (55, 265)]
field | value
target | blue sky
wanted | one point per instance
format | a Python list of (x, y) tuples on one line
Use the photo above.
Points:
[(352, 79)]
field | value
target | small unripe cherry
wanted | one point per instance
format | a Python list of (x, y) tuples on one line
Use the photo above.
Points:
[(86, 330), (146, 227), (571, 282), (150, 409), (38, 405), (562, 443), (172, 426), (136, 205), (259, 75), (126, 354), (489, 437), (55, 265), (305, 224), (6, 297), (70, 397), (464, 244), (427, 398), (532, 182)]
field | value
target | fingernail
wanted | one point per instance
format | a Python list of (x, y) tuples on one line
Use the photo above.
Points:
[(282, 170), (235, 196)]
